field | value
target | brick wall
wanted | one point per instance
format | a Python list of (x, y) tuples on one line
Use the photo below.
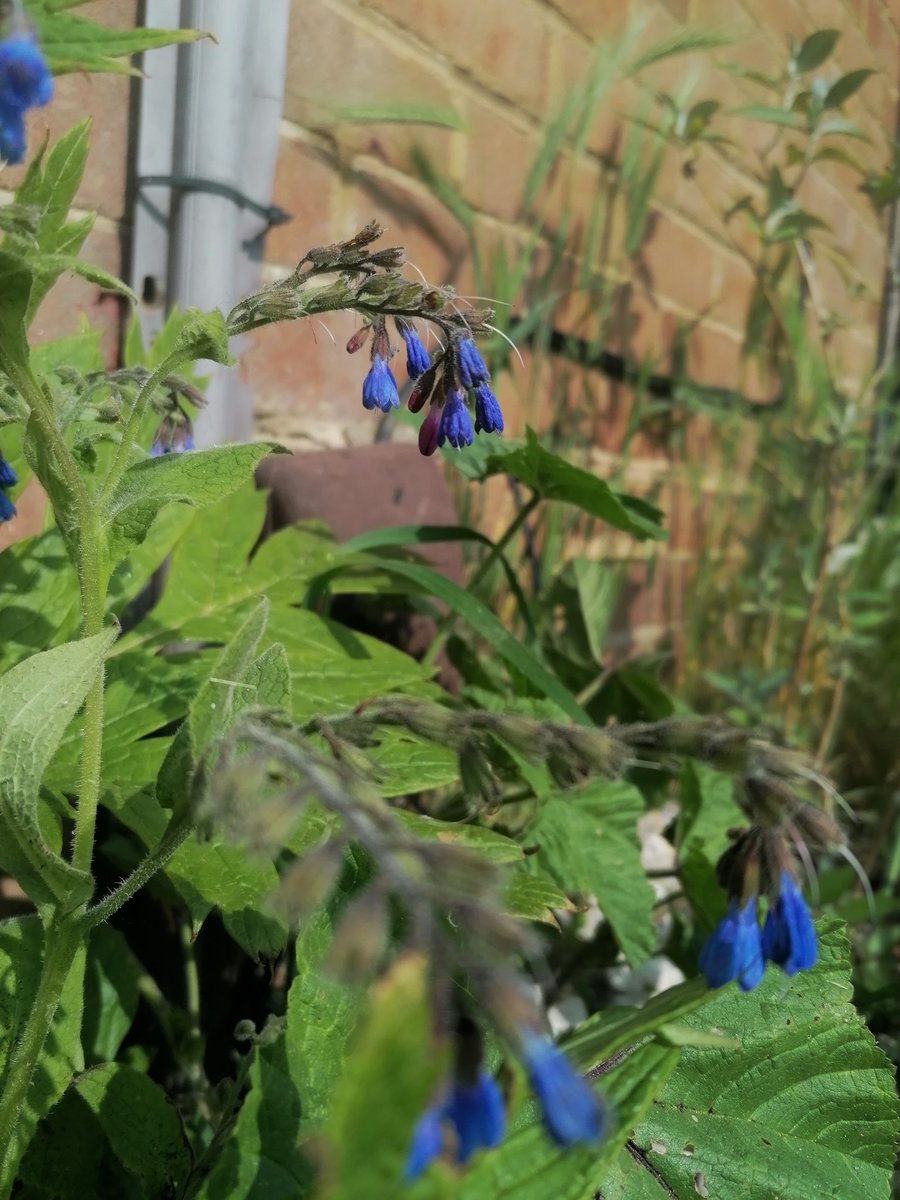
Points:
[(504, 68)]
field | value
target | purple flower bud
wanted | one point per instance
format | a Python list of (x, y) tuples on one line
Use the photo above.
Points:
[(734, 948), (456, 424), (572, 1111), (472, 369), (788, 936), (8, 477), (25, 81), (429, 431), (379, 388), (7, 508), (488, 417)]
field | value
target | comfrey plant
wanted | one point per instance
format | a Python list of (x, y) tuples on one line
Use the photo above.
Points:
[(389, 894)]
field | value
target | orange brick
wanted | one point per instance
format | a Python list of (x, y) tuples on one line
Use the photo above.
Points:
[(594, 20), (305, 181), (733, 285), (499, 155), (503, 45), (781, 17), (73, 299), (335, 65), (674, 263)]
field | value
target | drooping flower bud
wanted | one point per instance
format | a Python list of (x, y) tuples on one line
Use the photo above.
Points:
[(789, 936), (572, 1111), (734, 948)]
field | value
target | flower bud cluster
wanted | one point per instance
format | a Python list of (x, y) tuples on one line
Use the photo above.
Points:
[(351, 275)]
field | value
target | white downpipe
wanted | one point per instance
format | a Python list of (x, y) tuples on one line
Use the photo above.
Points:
[(228, 105)]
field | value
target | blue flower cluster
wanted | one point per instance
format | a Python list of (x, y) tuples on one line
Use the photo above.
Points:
[(737, 949), (25, 82), (448, 420), (571, 1110), (8, 479)]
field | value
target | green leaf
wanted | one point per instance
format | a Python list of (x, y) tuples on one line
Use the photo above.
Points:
[(485, 623), (21, 957), (391, 1071), (406, 535), (806, 1108), (72, 43), (211, 873), (598, 590), (407, 765), (60, 263), (38, 597), (706, 812), (495, 847), (552, 478), (111, 990), (38, 698), (142, 1126), (199, 478), (404, 112), (816, 49), (534, 898), (291, 1082), (220, 698), (683, 41), (769, 114), (15, 288), (203, 335), (842, 89), (588, 842)]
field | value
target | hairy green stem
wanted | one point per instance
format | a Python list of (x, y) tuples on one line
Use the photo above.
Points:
[(155, 861), (499, 546), (133, 424), (61, 945)]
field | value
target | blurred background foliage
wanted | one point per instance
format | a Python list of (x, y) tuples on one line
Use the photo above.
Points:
[(789, 617)]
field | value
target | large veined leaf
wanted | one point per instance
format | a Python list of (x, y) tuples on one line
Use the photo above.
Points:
[(38, 699), (805, 1109), (588, 842), (114, 1134), (200, 478)]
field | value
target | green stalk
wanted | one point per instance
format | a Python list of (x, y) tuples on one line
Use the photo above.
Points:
[(499, 546), (61, 946), (62, 938), (133, 425)]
